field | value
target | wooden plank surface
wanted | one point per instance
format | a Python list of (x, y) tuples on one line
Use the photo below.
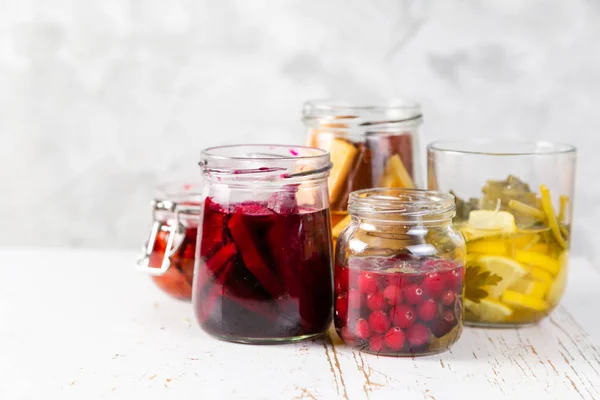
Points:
[(85, 325)]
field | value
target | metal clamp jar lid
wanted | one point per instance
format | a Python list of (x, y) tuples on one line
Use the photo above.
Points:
[(169, 251)]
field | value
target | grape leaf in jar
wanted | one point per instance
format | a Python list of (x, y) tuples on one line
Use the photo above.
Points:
[(475, 280)]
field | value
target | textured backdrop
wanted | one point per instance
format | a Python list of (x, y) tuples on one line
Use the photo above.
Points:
[(99, 101)]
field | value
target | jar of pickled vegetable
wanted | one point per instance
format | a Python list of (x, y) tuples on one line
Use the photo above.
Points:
[(399, 273), (370, 146), (264, 273), (514, 202), (169, 253)]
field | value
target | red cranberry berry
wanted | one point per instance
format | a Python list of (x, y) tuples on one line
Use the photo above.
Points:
[(395, 338), (379, 322), (433, 284), (427, 310), (440, 328), (341, 307), (414, 294), (376, 343), (362, 329), (448, 298), (367, 283), (403, 315), (449, 317), (392, 280), (392, 295), (417, 335), (454, 279), (375, 301)]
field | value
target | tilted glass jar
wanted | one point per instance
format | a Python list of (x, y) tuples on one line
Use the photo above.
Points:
[(514, 202), (169, 252), (399, 273), (371, 145), (263, 268)]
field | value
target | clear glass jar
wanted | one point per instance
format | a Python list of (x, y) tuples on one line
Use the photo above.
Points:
[(169, 252), (370, 146), (263, 272), (399, 273), (514, 202)]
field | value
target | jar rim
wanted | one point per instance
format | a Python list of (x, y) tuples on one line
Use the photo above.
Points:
[(269, 160), (415, 204), (501, 147), (393, 110)]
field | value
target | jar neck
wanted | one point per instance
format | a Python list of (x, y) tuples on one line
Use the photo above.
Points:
[(359, 119), (402, 207), (267, 166)]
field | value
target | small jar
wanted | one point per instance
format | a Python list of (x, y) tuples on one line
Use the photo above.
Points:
[(370, 145), (399, 273), (264, 273), (514, 202), (169, 253)]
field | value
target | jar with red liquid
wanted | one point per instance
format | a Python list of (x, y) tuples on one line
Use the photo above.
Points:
[(169, 252), (370, 145), (399, 277), (263, 268)]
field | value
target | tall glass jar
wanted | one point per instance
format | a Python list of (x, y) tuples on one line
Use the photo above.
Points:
[(263, 271), (370, 146), (399, 273), (168, 254), (514, 203)]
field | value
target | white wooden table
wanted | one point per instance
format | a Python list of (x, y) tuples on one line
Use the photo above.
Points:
[(86, 325)]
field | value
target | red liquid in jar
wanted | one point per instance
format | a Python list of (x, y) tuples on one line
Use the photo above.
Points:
[(264, 271), (177, 280), (394, 306)]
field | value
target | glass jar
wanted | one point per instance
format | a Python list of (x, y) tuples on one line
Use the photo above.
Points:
[(514, 202), (399, 273), (169, 253), (369, 145), (263, 272)]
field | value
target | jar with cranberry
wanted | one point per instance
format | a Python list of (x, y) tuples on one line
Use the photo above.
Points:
[(399, 274), (263, 271), (169, 253)]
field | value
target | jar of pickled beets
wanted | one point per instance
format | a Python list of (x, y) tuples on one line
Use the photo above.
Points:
[(399, 273), (168, 254), (263, 269)]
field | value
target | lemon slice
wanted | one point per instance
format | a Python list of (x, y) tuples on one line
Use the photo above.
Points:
[(560, 281), (521, 300), (539, 260), (489, 310), (484, 223), (508, 269), (531, 288), (540, 275), (488, 246)]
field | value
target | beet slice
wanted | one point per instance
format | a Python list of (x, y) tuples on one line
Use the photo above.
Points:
[(284, 202), (212, 267), (253, 260), (215, 293), (285, 245), (213, 225)]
